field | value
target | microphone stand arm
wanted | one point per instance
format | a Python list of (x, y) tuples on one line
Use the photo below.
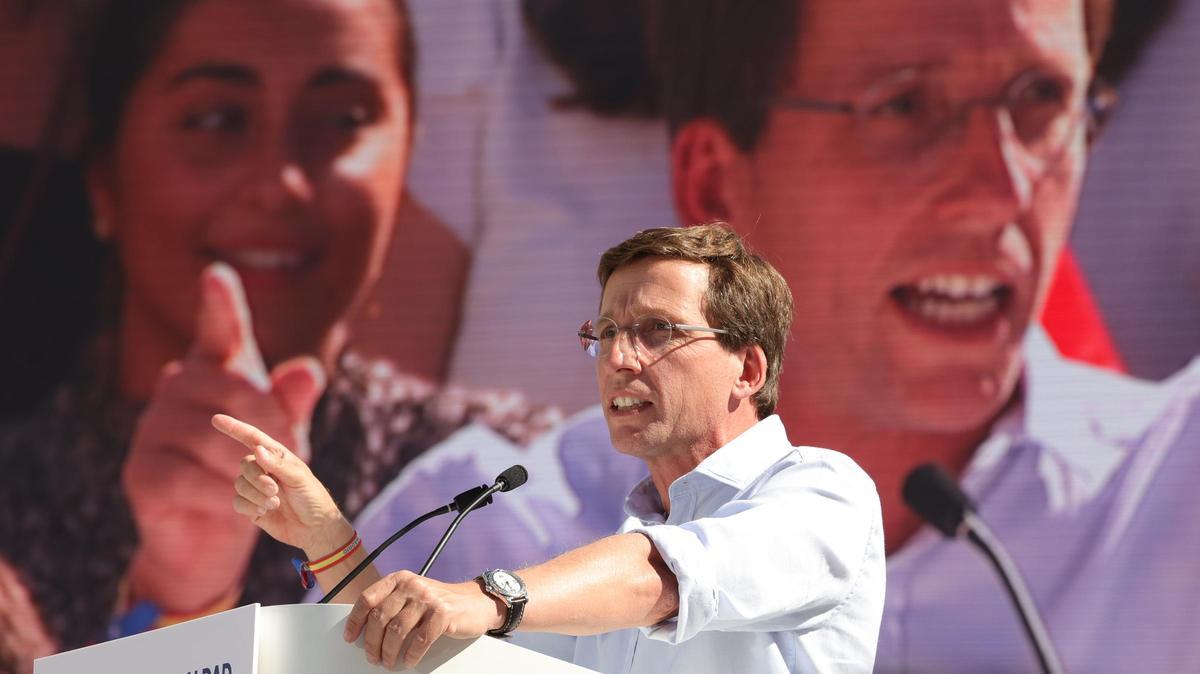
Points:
[(371, 557), (462, 513), (981, 536)]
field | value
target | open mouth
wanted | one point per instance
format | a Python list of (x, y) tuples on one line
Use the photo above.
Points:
[(955, 300), (627, 404)]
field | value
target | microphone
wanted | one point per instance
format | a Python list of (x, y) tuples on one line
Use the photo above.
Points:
[(513, 477), (934, 495), (471, 499), (937, 498)]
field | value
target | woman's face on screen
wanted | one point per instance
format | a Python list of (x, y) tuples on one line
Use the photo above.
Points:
[(271, 135)]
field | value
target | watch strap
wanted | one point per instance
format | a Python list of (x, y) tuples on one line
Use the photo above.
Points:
[(512, 619)]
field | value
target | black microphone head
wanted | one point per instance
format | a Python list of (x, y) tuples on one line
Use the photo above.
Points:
[(512, 477), (935, 496)]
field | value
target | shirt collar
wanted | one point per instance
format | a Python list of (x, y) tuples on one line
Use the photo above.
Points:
[(744, 458), (737, 464), (1083, 418)]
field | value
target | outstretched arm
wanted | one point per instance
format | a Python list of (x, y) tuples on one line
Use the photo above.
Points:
[(616, 582), (279, 493)]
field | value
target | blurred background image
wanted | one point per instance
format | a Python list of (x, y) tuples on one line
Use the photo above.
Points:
[(371, 227)]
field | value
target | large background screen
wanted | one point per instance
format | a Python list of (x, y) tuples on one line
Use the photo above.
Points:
[(375, 234)]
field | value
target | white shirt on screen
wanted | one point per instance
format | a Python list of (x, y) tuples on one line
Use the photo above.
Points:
[(1090, 484), (577, 483)]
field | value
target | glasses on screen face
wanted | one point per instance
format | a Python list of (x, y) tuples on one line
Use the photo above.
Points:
[(910, 112), (650, 335)]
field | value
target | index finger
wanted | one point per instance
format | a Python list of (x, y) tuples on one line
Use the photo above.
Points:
[(224, 329), (247, 434)]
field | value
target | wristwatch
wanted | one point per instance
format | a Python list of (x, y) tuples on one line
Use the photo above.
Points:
[(510, 589)]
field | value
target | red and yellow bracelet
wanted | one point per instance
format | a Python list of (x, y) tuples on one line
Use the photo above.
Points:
[(308, 570)]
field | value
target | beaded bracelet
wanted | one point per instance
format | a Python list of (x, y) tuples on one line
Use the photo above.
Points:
[(308, 570)]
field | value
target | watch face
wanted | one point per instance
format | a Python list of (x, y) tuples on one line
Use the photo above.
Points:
[(507, 583)]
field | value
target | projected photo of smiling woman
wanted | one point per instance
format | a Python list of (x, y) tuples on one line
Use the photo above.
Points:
[(245, 163)]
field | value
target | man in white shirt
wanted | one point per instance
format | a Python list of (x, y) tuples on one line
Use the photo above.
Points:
[(740, 553), (918, 270), (912, 168)]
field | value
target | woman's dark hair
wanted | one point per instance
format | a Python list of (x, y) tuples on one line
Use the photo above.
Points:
[(128, 36), (46, 241), (600, 46)]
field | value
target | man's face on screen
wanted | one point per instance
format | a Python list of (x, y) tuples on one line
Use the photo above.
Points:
[(918, 226), (272, 135)]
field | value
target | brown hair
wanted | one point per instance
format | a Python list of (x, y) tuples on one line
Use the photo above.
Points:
[(745, 295), (725, 59)]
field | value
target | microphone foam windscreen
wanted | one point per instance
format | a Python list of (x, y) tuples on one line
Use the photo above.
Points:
[(513, 477), (936, 497)]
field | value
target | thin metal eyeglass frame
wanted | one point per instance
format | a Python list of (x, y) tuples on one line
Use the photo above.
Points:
[(1098, 102), (591, 343)]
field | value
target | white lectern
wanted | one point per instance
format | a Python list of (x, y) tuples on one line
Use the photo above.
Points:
[(296, 639)]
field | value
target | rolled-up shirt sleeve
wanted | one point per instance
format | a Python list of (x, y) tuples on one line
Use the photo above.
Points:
[(786, 554)]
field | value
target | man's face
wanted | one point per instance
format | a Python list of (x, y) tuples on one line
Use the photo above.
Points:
[(665, 403), (917, 262)]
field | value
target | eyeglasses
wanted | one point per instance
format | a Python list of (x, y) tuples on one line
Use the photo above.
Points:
[(906, 114), (648, 334)]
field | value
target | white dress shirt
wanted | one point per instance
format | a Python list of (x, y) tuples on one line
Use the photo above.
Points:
[(778, 551), (1090, 484)]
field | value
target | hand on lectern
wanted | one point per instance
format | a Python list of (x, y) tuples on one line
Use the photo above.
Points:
[(402, 614), (192, 549)]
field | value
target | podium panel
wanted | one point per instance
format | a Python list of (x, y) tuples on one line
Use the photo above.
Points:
[(223, 643), (293, 639)]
